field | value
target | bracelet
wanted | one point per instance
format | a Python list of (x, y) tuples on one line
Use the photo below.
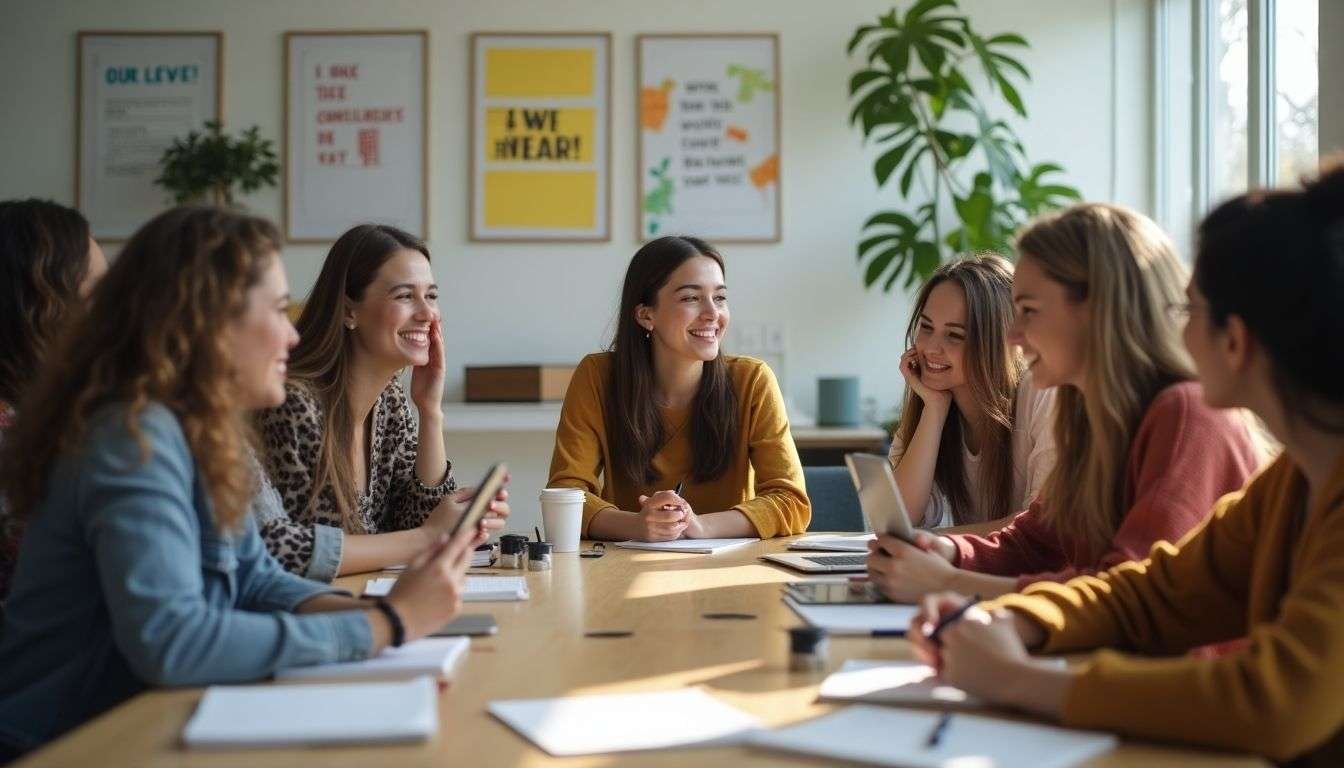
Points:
[(393, 618)]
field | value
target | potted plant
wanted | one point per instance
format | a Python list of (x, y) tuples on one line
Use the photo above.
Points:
[(975, 183), (212, 166)]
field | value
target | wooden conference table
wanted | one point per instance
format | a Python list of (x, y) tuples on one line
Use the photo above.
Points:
[(541, 651)]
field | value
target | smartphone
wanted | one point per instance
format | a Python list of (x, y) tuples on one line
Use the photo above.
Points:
[(834, 593), (469, 624), (485, 493)]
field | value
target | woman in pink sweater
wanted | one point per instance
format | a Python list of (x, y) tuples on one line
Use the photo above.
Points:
[(1141, 458)]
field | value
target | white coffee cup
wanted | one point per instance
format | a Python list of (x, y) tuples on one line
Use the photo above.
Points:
[(562, 517)]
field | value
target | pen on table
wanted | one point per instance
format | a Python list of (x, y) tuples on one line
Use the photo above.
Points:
[(936, 735), (951, 617)]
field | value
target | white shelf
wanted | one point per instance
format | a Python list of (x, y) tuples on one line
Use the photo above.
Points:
[(501, 417)]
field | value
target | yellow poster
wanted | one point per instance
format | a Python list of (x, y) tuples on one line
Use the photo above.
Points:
[(540, 148)]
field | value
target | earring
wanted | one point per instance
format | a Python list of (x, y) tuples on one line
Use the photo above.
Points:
[(350, 324), (648, 334)]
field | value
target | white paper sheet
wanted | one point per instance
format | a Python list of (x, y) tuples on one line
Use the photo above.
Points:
[(856, 619), (281, 715), (589, 725), (891, 682), (693, 546), (968, 740), (434, 656), (479, 589)]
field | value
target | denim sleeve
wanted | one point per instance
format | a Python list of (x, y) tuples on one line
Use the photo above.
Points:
[(139, 520), (263, 585)]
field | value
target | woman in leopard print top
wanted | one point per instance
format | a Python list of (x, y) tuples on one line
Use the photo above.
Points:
[(364, 485)]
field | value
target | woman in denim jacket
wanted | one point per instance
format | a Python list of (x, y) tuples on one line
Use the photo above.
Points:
[(130, 463)]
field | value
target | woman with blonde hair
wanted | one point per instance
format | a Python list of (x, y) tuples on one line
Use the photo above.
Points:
[(1141, 457), (364, 484), (974, 442), (130, 464)]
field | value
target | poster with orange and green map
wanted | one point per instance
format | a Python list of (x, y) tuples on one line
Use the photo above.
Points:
[(709, 145)]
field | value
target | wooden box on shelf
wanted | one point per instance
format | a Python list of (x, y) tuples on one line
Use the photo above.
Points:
[(516, 383)]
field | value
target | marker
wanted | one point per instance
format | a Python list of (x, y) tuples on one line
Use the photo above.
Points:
[(951, 617)]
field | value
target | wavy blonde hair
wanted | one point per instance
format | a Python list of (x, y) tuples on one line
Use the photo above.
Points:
[(1125, 268), (993, 370), (153, 332)]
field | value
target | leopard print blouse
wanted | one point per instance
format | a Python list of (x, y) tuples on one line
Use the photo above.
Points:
[(307, 541)]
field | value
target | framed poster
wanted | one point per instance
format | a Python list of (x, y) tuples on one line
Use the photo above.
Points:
[(540, 137), (709, 142), (135, 93), (356, 132)]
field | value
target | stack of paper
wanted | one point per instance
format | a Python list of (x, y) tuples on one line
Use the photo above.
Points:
[(280, 715), (692, 546), (479, 589), (433, 656), (589, 725), (855, 543), (897, 737), (856, 619)]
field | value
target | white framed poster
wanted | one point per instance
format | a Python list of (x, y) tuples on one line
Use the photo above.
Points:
[(709, 144), (135, 93), (356, 132), (540, 137)]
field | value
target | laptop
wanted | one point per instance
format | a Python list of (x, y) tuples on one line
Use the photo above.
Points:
[(883, 510)]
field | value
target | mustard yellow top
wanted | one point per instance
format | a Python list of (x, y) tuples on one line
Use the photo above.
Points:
[(1262, 567), (763, 482)]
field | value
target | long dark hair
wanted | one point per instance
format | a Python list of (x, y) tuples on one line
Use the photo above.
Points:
[(634, 425), (993, 369), (154, 331), (321, 361), (1275, 258), (44, 258)]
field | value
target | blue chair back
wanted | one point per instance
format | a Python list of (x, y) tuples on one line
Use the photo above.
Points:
[(835, 503)]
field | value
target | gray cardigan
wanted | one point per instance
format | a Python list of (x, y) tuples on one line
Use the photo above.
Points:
[(124, 582)]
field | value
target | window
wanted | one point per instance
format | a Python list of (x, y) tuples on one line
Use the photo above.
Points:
[(1296, 89), (1236, 102)]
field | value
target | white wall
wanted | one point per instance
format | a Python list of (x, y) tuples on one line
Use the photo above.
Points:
[(1089, 107)]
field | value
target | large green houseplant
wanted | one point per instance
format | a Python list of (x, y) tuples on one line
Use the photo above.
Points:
[(915, 99), (208, 167)]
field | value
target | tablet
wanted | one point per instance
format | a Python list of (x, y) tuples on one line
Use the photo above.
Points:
[(485, 493), (882, 504)]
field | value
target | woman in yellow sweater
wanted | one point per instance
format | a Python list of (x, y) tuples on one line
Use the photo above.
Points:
[(667, 436), (1263, 329)]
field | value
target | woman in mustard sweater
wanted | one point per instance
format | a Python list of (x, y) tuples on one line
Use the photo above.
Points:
[(1264, 324), (665, 409)]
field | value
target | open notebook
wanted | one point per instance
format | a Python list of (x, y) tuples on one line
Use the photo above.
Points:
[(857, 618), (283, 715), (433, 656), (897, 737), (897, 682)]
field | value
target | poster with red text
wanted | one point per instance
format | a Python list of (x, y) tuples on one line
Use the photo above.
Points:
[(356, 111)]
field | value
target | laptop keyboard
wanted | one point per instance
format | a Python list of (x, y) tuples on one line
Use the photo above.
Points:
[(837, 559)]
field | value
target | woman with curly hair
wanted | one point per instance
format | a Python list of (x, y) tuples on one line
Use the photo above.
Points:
[(130, 464)]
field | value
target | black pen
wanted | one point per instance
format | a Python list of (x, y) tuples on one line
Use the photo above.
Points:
[(951, 617), (680, 485), (936, 735)]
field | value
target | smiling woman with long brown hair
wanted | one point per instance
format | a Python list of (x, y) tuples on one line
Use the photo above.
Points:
[(664, 408), (130, 463), (363, 485)]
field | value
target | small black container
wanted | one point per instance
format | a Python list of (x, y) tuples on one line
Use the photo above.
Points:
[(512, 551), (539, 555), (808, 648)]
